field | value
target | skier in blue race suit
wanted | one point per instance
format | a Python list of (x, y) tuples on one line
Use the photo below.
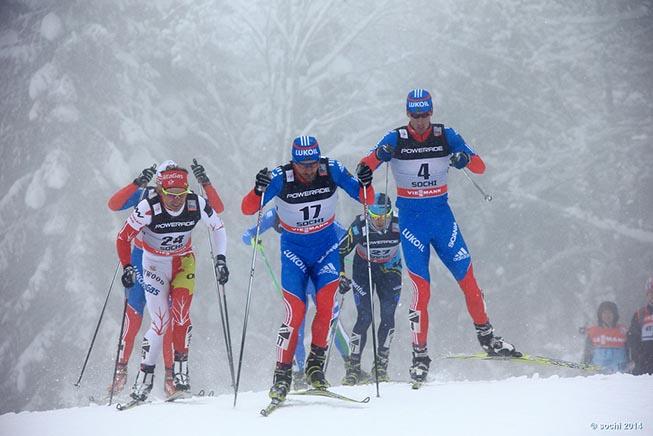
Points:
[(419, 155), (385, 268), (305, 195), (270, 220)]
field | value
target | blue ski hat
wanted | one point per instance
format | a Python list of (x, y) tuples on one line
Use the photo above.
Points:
[(305, 148), (382, 204), (419, 100)]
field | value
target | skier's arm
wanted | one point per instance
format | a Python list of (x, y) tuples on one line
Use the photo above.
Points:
[(268, 220), (252, 201), (382, 151), (216, 227), (457, 144), (139, 218), (343, 178), (347, 244), (126, 198), (210, 193), (213, 198)]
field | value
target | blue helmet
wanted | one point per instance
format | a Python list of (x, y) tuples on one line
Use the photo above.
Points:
[(305, 148), (382, 204), (419, 100)]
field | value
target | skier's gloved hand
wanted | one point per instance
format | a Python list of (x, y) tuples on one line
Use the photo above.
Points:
[(364, 174), (221, 269), (345, 284), (384, 153), (145, 177), (200, 173), (263, 180), (459, 160), (128, 276)]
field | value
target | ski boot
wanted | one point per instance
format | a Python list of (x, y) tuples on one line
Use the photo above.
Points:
[(494, 345), (420, 367), (143, 384), (169, 384), (299, 380), (353, 374), (180, 372), (281, 382), (119, 381), (315, 368), (381, 366)]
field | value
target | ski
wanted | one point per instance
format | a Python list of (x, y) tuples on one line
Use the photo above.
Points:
[(274, 405), (131, 403), (526, 358), (330, 394)]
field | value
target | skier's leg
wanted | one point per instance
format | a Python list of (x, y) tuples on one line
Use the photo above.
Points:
[(415, 238), (361, 291), (135, 307), (388, 290), (157, 272), (132, 324), (182, 289), (293, 282), (324, 274)]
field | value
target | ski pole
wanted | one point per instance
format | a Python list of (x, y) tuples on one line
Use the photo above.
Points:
[(487, 197), (115, 366), (90, 348), (224, 314), (385, 203), (249, 298), (369, 276), (277, 286), (333, 332)]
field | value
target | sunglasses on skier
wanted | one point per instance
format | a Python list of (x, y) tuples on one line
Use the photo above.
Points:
[(175, 194), (418, 115)]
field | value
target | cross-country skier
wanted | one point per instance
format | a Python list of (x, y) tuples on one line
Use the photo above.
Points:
[(305, 195), (126, 198), (166, 218), (385, 258), (269, 220), (420, 155)]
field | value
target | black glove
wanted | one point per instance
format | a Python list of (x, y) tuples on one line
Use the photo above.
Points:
[(459, 160), (263, 179), (128, 276), (200, 173), (221, 269), (345, 284), (145, 177), (364, 174)]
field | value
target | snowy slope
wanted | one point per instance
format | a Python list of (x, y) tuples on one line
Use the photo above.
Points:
[(532, 406)]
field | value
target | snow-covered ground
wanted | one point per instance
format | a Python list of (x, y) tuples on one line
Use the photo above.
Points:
[(520, 406)]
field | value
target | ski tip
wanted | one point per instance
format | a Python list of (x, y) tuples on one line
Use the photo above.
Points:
[(365, 400)]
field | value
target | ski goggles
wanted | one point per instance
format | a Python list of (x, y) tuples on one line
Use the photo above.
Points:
[(376, 215), (175, 194)]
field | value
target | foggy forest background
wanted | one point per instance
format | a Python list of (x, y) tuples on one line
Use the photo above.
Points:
[(556, 96)]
